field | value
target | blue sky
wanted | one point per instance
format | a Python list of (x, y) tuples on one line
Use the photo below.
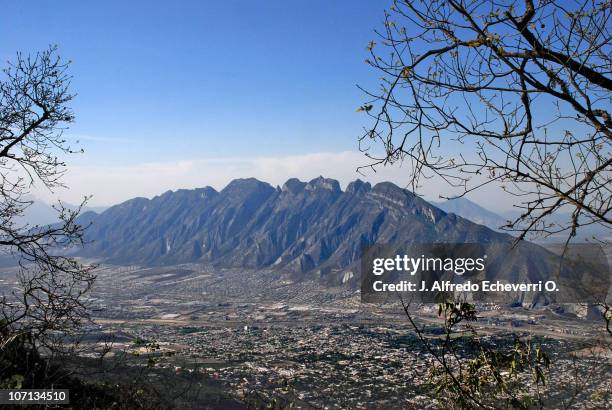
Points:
[(186, 94), (156, 80)]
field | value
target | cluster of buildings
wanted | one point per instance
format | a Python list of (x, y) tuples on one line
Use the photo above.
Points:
[(270, 340)]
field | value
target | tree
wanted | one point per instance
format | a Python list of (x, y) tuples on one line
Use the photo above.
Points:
[(48, 301), (478, 92)]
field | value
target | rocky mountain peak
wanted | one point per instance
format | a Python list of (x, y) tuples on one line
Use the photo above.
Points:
[(246, 186), (293, 185), (324, 183), (358, 186)]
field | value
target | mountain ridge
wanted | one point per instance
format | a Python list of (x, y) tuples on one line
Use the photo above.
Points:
[(309, 227), (306, 231)]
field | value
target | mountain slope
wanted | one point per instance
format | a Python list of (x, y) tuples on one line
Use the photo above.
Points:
[(309, 228), (472, 211)]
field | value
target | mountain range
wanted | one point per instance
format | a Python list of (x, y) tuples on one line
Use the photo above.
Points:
[(299, 226), (308, 229)]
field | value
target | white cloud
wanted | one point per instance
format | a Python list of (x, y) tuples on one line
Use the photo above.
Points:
[(111, 185)]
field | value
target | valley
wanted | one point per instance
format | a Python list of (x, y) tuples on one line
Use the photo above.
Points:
[(267, 338)]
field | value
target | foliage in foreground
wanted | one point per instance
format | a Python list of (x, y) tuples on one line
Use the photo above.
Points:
[(468, 371)]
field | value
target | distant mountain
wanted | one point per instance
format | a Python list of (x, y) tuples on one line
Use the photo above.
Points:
[(475, 213), (42, 213), (472, 211), (309, 229)]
